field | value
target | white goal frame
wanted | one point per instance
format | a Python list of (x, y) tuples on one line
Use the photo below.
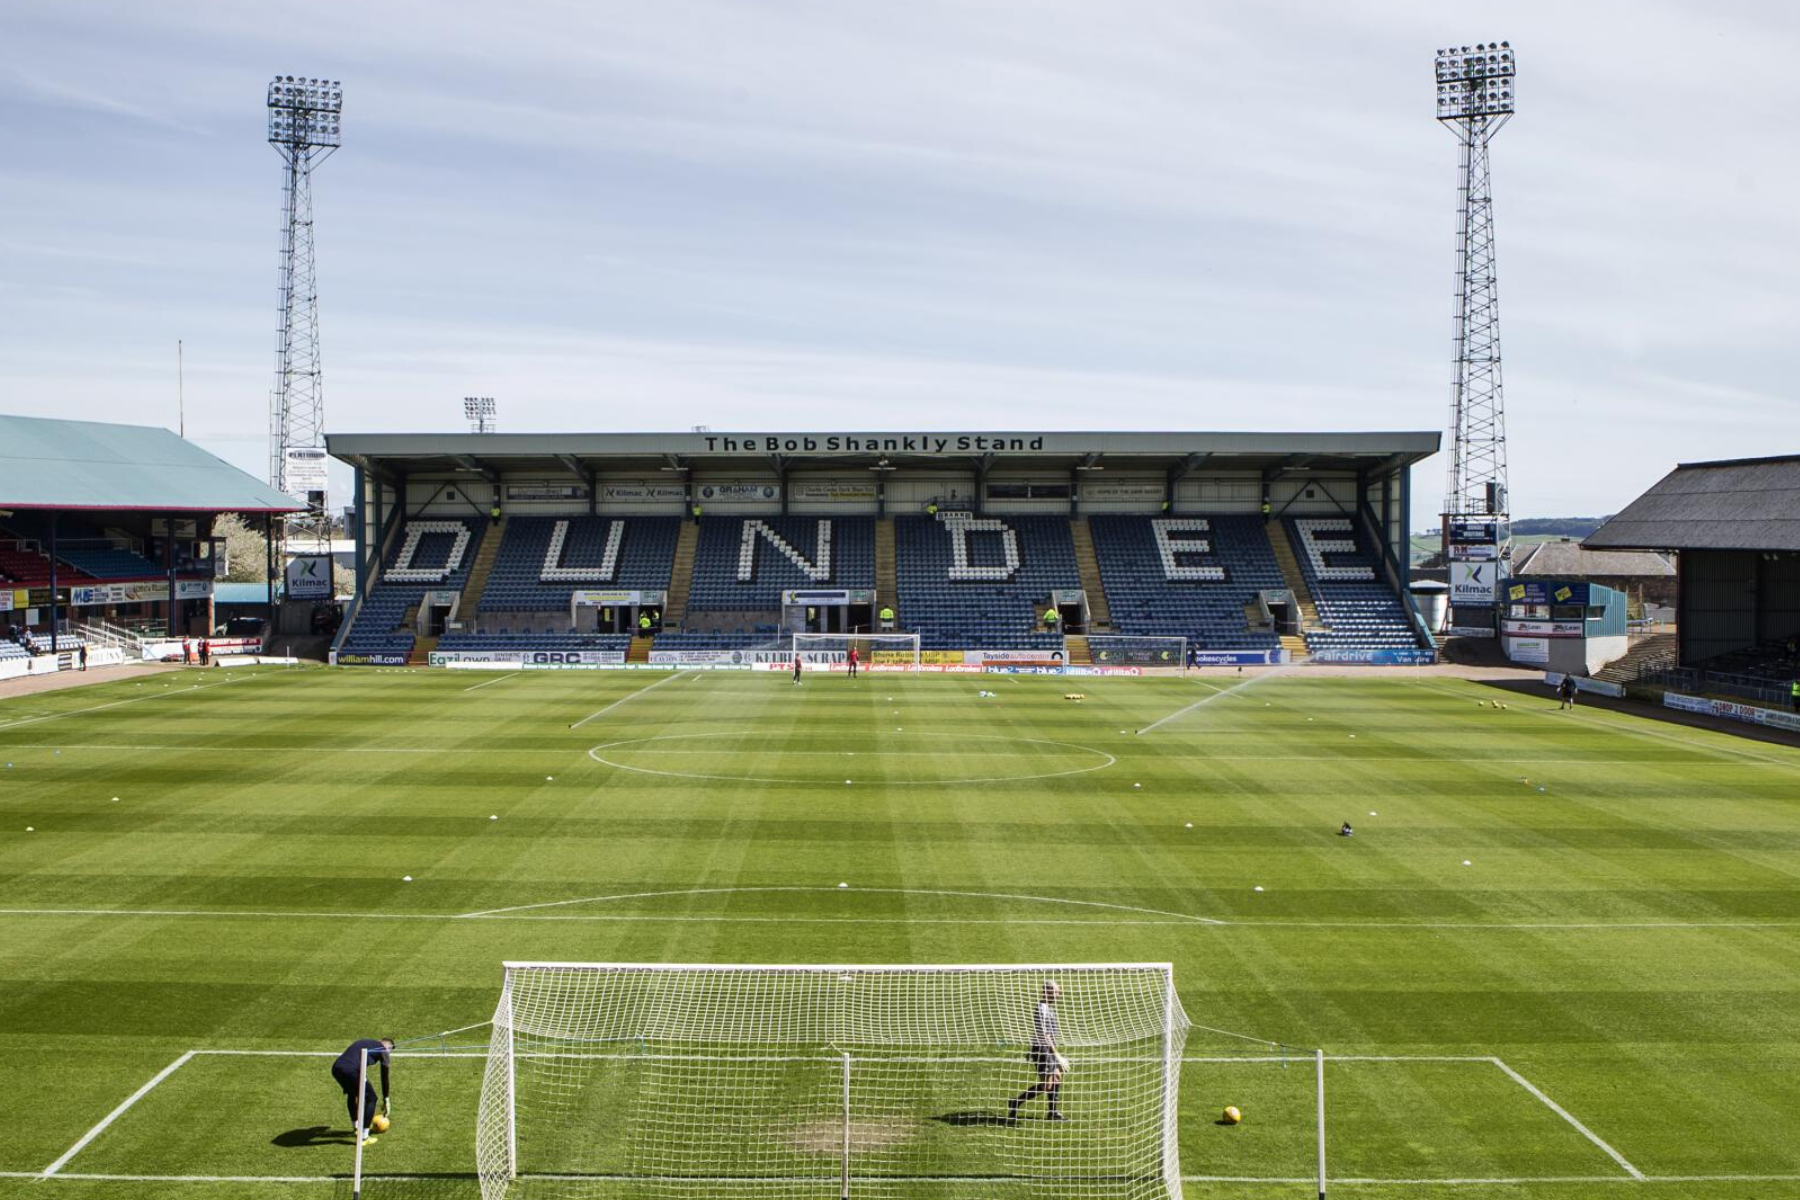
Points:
[(828, 649), (569, 1037), (1141, 650)]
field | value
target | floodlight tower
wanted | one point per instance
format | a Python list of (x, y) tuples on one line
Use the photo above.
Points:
[(1474, 99), (482, 414), (305, 129)]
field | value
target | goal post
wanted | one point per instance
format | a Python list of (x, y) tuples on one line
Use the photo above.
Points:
[(880, 651), (1123, 650), (613, 1080)]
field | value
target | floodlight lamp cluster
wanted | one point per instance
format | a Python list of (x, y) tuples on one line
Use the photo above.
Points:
[(478, 406), (305, 112), (1475, 81)]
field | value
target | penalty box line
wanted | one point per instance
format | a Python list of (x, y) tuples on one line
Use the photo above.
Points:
[(114, 1115)]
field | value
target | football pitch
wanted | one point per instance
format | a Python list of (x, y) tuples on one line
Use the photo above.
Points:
[(1560, 956)]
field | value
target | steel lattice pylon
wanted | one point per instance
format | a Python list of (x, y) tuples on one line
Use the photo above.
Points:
[(1475, 98), (304, 128)]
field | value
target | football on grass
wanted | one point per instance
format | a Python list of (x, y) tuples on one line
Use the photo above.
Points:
[(381, 1123), (1232, 1115)]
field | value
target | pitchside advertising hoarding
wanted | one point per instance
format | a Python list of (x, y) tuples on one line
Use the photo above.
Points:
[(1475, 541), (142, 592), (527, 658), (1773, 718), (1377, 658)]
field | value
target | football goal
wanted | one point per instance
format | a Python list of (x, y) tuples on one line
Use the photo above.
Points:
[(881, 651), (605, 1081), (1119, 650)]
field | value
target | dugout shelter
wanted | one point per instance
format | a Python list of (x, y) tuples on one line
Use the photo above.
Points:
[(667, 548), (106, 534)]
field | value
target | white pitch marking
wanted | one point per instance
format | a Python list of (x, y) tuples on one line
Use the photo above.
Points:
[(116, 1113), (1155, 912), (76, 712), (670, 737), (623, 699), (1564, 1113), (1491, 1181), (491, 682)]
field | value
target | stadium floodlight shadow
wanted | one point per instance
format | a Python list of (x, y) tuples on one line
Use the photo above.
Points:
[(974, 1118), (311, 1135)]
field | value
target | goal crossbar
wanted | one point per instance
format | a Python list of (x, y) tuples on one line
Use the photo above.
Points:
[(880, 1081)]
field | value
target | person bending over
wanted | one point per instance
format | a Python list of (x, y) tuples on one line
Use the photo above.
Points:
[(344, 1071)]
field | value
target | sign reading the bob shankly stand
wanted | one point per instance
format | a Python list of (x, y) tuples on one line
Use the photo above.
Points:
[(871, 443)]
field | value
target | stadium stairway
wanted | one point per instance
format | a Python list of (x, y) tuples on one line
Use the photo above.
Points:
[(1652, 653), (420, 656), (637, 652), (485, 555), (681, 579), (1294, 577), (1295, 645), (887, 577), (1099, 612), (1076, 652)]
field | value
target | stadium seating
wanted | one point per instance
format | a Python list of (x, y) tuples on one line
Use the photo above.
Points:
[(429, 555), (12, 650), (526, 579), (28, 568), (110, 563), (987, 598), (1357, 608), (526, 639), (1145, 588), (726, 553)]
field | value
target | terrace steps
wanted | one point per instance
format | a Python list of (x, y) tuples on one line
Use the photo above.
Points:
[(485, 554), (1647, 654), (681, 577), (1075, 650), (1292, 575), (887, 581), (1295, 645), (1099, 614), (638, 652), (421, 651)]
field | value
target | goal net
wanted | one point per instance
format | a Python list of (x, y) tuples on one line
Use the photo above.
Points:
[(880, 651), (607, 1081), (1120, 650)]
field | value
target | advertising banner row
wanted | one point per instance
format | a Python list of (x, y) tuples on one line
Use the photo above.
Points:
[(140, 592), (1599, 687), (64, 660), (1750, 714), (172, 649), (1378, 658), (526, 658)]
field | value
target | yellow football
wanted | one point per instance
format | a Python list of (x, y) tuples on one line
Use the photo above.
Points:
[(1232, 1115), (381, 1123)]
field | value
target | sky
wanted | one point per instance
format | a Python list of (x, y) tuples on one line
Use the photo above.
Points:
[(946, 214)]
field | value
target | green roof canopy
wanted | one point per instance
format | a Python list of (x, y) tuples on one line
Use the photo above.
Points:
[(46, 463)]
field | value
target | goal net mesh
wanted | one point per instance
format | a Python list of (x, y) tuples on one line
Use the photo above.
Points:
[(605, 1082), (1121, 650)]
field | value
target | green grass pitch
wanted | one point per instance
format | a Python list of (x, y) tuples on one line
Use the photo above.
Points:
[(1560, 957)]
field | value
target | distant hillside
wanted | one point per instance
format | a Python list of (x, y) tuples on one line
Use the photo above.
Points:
[(1570, 527), (1426, 543)]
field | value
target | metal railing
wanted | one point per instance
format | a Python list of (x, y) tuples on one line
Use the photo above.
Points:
[(1718, 683)]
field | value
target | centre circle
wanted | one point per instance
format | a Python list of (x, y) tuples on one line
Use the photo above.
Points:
[(893, 760)]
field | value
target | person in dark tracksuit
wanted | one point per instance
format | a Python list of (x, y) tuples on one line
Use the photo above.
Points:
[(344, 1071)]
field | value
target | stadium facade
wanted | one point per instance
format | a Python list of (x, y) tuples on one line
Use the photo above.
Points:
[(1008, 548)]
